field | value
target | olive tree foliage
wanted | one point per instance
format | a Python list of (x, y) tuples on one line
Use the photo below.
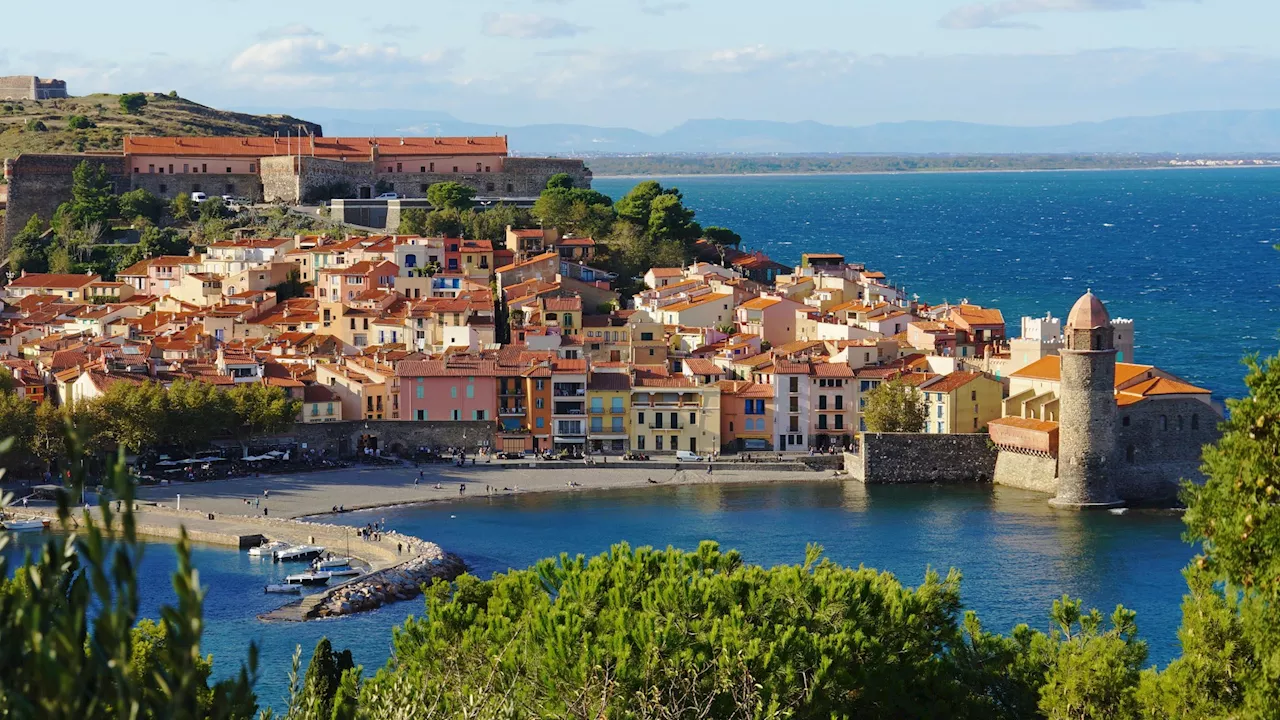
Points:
[(73, 647), (895, 407)]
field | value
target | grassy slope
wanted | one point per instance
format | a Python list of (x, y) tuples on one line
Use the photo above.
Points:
[(163, 115)]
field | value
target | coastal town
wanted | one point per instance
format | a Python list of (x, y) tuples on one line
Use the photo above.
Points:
[(528, 346)]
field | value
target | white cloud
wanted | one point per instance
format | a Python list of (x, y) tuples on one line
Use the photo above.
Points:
[(1004, 14), (528, 27), (308, 54)]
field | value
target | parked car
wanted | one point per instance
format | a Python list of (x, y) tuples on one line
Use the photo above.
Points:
[(388, 196), (687, 456), (198, 197)]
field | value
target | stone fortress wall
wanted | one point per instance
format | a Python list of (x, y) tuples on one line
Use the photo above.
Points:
[(30, 87), (897, 458), (40, 183)]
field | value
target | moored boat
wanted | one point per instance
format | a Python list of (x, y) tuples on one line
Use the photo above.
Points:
[(331, 563), (267, 549), (34, 525), (309, 578), (282, 588), (344, 572), (298, 553)]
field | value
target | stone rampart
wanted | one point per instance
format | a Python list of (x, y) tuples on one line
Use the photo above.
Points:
[(899, 458), (343, 438), (40, 183), (30, 87)]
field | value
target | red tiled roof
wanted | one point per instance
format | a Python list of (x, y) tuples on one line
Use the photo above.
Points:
[(350, 148), (953, 381), (575, 242), (53, 280), (698, 366)]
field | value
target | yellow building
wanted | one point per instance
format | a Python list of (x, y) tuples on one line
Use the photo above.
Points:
[(608, 412), (962, 402), (670, 414), (320, 404)]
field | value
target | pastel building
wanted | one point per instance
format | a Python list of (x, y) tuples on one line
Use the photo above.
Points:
[(746, 416), (457, 388)]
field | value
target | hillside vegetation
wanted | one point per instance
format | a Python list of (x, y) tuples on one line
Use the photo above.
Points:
[(101, 122)]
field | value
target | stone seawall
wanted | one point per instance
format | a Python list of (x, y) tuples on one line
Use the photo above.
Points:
[(894, 458), (394, 435), (402, 582), (1027, 471)]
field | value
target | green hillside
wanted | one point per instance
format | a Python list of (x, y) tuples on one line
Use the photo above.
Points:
[(28, 126)]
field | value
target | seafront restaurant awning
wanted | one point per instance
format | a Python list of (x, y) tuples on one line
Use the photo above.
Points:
[(570, 440)]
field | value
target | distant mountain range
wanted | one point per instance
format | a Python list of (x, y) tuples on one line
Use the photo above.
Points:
[(1219, 132)]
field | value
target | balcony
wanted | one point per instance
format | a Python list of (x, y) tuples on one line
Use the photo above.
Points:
[(509, 411), (570, 428), (569, 408), (568, 390)]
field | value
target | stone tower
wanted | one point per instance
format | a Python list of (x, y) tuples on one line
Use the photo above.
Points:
[(1087, 408)]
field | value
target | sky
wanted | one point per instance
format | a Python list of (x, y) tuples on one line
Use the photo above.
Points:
[(652, 64)]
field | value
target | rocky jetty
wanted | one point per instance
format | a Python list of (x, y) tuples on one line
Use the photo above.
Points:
[(401, 582)]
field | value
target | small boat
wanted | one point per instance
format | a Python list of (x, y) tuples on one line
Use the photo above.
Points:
[(298, 553), (282, 588), (267, 549), (345, 572), (331, 563), (309, 578), (25, 525)]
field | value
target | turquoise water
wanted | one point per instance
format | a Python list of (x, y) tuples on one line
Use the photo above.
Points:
[(1016, 553), (1188, 255)]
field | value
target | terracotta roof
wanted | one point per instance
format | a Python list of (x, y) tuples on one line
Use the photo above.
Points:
[(698, 366), (1026, 423), (760, 303), (67, 281), (318, 393), (563, 304), (1088, 312), (666, 272), (535, 259), (830, 369), (916, 379), (351, 148), (527, 233), (695, 302), (609, 382), (953, 381), (575, 242), (746, 389), (1050, 368), (975, 315)]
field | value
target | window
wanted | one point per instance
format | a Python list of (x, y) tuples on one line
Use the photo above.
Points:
[(657, 421), (329, 410), (480, 414), (433, 167), (617, 424), (795, 405), (646, 336), (204, 167), (822, 402), (640, 418), (537, 402), (453, 391), (839, 402), (538, 384), (795, 424), (455, 168), (639, 442), (973, 395), (1125, 421), (420, 396), (163, 188), (422, 415), (597, 404), (457, 415), (840, 422), (939, 410), (512, 188), (252, 167), (228, 168), (795, 384), (541, 422), (617, 405), (731, 426), (693, 418), (822, 422), (657, 442)]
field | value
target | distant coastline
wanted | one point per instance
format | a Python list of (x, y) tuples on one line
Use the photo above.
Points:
[(632, 167)]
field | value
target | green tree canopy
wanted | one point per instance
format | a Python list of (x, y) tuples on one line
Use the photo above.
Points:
[(635, 205), (92, 200), (451, 196), (182, 207), (722, 236), (132, 103), (413, 221), (27, 251), (560, 180), (895, 407), (141, 203), (261, 409)]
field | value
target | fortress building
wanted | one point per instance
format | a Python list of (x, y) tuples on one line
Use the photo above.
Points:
[(1094, 432), (290, 170), (30, 87)]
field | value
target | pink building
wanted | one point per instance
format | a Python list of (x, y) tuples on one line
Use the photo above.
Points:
[(771, 318), (342, 284), (158, 275), (458, 388)]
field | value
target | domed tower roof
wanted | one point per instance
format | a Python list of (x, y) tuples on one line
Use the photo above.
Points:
[(1088, 312)]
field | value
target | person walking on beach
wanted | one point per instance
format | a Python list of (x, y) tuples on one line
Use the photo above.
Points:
[(399, 547)]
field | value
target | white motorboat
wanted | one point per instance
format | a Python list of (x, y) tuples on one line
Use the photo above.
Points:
[(309, 578), (344, 572), (282, 588), (298, 553), (25, 525), (331, 563), (267, 549)]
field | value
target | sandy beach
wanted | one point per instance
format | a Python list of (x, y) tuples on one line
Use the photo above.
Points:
[(305, 494)]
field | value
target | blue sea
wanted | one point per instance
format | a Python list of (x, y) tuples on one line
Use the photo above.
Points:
[(1187, 254)]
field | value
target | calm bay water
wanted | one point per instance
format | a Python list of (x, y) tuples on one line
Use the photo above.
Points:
[(1187, 254)]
